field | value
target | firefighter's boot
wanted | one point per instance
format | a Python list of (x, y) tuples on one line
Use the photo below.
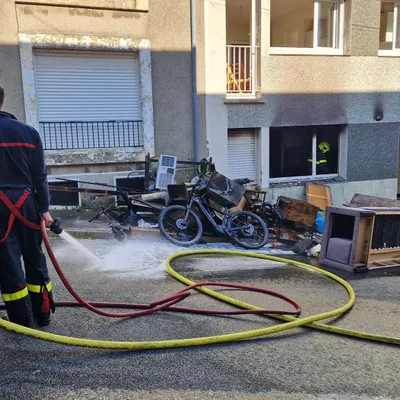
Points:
[(42, 304), (18, 311)]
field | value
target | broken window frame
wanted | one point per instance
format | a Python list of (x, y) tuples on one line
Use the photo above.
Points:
[(338, 35), (314, 176), (395, 50)]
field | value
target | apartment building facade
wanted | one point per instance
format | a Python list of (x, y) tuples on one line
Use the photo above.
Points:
[(107, 81), (104, 81), (299, 73)]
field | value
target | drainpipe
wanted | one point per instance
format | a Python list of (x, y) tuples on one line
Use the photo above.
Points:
[(193, 24)]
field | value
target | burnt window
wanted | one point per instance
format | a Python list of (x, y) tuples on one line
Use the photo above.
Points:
[(304, 151)]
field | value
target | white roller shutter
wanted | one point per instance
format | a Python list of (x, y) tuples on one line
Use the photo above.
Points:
[(87, 86), (242, 154)]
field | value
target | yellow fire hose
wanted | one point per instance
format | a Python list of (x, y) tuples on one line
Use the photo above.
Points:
[(290, 322)]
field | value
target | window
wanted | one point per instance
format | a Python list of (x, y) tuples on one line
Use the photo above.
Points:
[(242, 160), (307, 26), (82, 101), (61, 198), (297, 151), (389, 34)]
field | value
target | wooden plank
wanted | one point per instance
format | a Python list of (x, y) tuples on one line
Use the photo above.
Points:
[(380, 264), (385, 264), (381, 257), (386, 212), (363, 240), (298, 211), (362, 200), (392, 262), (370, 240), (387, 250), (318, 195)]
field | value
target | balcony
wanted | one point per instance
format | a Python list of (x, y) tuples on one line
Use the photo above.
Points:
[(65, 135), (241, 71), (242, 49)]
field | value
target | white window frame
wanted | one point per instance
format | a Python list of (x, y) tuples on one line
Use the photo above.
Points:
[(393, 52), (315, 50), (342, 163)]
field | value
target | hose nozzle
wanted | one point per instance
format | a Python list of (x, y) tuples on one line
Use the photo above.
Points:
[(55, 227)]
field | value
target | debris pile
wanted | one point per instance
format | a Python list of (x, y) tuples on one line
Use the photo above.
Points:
[(298, 223), (354, 236)]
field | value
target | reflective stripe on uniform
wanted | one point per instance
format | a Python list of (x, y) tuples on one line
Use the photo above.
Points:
[(15, 296), (18, 144), (38, 288), (318, 162)]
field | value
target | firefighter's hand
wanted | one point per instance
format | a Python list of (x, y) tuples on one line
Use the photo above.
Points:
[(47, 218)]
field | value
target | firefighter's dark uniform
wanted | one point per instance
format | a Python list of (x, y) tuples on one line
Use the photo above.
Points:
[(23, 181), (321, 162)]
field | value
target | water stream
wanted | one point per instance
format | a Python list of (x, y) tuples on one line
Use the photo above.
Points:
[(78, 246)]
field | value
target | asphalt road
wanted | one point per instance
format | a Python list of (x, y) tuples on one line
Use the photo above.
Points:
[(297, 364)]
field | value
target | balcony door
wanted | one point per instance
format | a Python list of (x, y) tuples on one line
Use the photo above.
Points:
[(242, 50)]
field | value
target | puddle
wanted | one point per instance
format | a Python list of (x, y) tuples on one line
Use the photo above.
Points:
[(145, 259)]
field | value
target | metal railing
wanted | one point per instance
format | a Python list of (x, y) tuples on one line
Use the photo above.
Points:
[(242, 70), (90, 134)]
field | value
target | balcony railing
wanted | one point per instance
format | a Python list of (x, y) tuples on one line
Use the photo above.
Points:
[(90, 134), (241, 70)]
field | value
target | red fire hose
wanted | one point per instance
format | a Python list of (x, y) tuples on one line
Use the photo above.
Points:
[(166, 303)]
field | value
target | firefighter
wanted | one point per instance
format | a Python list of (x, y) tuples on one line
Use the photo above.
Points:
[(322, 161), (23, 189)]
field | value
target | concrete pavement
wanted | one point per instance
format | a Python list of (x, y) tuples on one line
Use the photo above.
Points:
[(299, 364)]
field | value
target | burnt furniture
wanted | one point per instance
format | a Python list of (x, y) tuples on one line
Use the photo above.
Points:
[(357, 239)]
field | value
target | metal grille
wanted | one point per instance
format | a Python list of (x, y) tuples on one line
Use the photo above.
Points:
[(91, 134), (242, 70)]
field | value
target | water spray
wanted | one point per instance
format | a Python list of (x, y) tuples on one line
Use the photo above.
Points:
[(56, 228)]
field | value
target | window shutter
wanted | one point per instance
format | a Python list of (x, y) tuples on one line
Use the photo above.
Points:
[(87, 86), (88, 99), (242, 154)]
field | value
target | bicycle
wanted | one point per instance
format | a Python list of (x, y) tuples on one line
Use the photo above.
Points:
[(183, 227), (121, 222)]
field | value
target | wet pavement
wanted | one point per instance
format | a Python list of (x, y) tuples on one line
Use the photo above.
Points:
[(297, 364)]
